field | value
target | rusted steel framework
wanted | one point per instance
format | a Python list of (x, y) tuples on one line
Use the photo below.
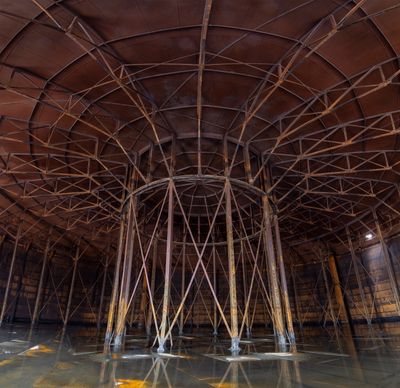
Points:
[(204, 244), (211, 139)]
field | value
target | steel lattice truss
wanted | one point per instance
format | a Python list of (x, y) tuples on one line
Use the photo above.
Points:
[(92, 91)]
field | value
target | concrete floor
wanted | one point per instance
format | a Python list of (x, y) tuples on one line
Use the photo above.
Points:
[(44, 359)]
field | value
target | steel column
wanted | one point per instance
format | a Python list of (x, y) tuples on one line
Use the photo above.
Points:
[(114, 292), (2, 238), (20, 280), (269, 247), (152, 286), (41, 281), (103, 287), (296, 299), (143, 302), (126, 276), (338, 289), (244, 287), (328, 295), (10, 273), (284, 288), (215, 287), (247, 163), (183, 281), (133, 297), (354, 260), (388, 263), (167, 273), (231, 269), (71, 288)]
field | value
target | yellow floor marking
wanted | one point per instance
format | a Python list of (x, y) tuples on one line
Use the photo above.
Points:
[(55, 382), (128, 383), (63, 365), (38, 349), (5, 362)]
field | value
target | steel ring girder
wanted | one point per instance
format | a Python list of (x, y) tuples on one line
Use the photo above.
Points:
[(200, 245), (196, 178)]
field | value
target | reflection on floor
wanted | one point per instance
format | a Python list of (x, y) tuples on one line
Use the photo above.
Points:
[(44, 358)]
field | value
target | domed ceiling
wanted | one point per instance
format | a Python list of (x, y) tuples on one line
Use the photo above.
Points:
[(86, 87)]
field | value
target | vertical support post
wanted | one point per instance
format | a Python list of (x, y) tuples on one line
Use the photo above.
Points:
[(133, 298), (354, 260), (150, 167), (183, 281), (247, 164), (114, 292), (39, 292), (152, 286), (71, 288), (231, 255), (215, 286), (2, 238), (231, 270), (126, 276), (10, 274), (285, 293), (267, 276), (244, 284), (20, 280), (167, 273), (193, 297), (338, 289), (296, 298), (46, 290), (143, 302), (328, 295), (388, 263), (276, 298), (196, 310), (103, 287)]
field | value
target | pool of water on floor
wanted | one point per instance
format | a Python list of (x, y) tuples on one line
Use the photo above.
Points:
[(46, 358)]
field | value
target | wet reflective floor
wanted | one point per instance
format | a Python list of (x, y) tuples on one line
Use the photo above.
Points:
[(45, 358)]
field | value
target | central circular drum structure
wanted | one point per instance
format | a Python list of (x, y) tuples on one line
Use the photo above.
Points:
[(215, 235)]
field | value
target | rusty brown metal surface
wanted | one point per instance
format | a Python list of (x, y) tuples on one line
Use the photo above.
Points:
[(291, 107), (86, 87)]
